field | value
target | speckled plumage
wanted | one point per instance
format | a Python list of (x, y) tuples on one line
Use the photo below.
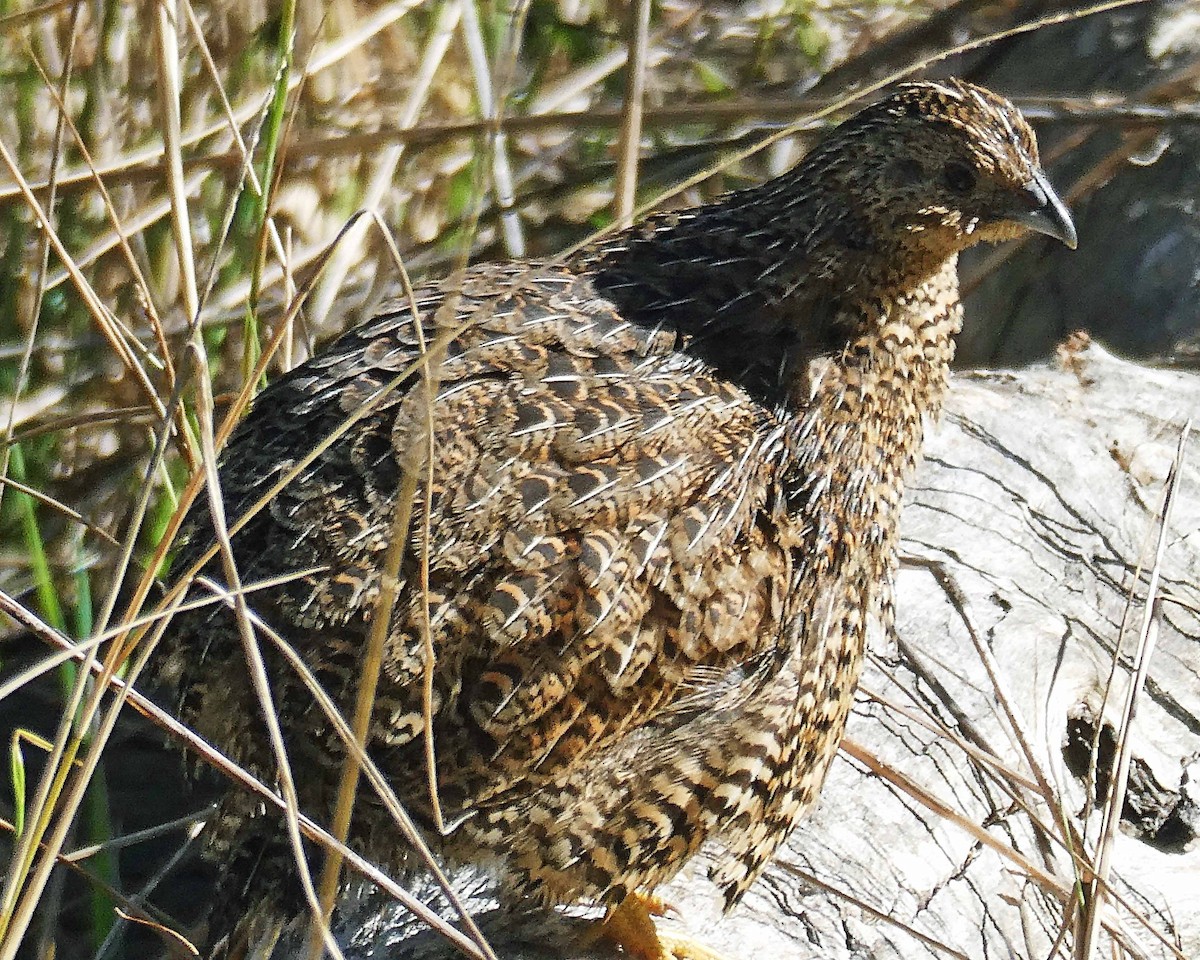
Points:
[(666, 483)]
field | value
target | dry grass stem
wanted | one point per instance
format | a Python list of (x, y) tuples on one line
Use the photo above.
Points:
[(630, 141), (388, 159), (1097, 887)]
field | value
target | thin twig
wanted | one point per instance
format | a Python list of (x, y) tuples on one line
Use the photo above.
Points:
[(1097, 886), (492, 109), (256, 665), (388, 159), (629, 145)]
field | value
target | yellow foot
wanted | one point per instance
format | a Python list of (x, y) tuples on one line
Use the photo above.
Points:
[(632, 928)]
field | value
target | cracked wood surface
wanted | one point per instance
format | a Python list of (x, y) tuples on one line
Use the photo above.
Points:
[(1036, 501)]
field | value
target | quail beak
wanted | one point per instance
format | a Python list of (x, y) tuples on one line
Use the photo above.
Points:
[(1044, 212)]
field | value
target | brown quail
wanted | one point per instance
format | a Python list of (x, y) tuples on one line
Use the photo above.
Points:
[(662, 517)]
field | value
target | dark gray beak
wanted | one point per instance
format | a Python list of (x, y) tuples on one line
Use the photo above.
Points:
[(1044, 211)]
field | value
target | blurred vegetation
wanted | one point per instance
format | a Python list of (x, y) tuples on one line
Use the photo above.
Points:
[(475, 130)]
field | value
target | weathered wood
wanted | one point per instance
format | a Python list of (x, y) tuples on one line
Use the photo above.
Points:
[(1038, 498)]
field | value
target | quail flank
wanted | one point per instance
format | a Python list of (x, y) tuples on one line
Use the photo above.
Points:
[(658, 511)]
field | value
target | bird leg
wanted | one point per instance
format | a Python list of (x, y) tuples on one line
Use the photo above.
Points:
[(632, 928)]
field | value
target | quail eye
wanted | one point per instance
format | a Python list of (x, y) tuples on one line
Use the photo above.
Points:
[(959, 177)]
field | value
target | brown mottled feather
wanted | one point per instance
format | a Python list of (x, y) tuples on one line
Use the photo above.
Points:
[(666, 480)]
